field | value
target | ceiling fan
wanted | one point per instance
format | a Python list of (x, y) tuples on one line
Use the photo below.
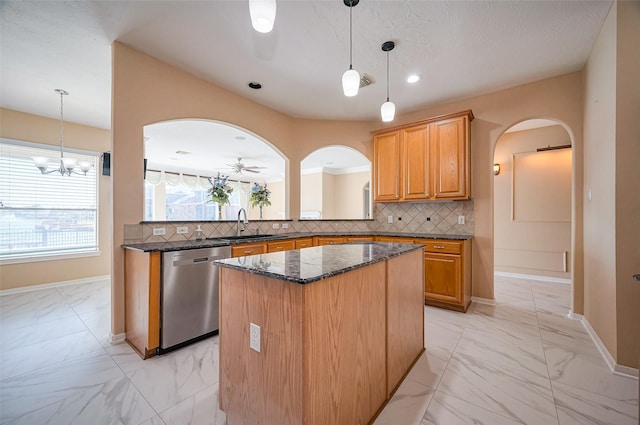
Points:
[(239, 167)]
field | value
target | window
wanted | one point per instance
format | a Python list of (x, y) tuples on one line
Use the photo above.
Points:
[(182, 197), (50, 214)]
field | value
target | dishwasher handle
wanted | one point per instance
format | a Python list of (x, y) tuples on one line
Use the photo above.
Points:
[(190, 261)]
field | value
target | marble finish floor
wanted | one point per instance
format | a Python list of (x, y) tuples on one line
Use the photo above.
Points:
[(518, 362)]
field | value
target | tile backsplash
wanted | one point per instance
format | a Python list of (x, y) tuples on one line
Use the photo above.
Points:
[(409, 218)]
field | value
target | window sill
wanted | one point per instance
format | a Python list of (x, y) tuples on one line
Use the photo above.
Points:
[(48, 257)]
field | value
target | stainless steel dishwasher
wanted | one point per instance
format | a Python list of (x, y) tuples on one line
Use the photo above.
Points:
[(189, 296)]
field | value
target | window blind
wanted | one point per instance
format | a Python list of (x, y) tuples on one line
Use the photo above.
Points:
[(45, 214)]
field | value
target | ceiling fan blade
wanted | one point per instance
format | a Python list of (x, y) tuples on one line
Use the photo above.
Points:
[(254, 167), (250, 170)]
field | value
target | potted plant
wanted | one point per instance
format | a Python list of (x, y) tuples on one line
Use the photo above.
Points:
[(260, 196), (219, 192)]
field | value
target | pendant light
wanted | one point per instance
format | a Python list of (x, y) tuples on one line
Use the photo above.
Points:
[(351, 78), (388, 109), (263, 14), (67, 165)]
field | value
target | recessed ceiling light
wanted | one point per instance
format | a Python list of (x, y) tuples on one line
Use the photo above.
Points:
[(255, 86), (240, 138), (413, 78)]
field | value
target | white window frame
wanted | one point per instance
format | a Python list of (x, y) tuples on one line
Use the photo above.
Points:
[(63, 252)]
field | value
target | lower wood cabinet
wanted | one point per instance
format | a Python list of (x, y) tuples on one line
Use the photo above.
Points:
[(303, 243), (328, 240), (248, 249), (447, 273), (284, 245)]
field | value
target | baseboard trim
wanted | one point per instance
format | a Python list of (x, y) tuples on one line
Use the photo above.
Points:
[(574, 316), (54, 285), (115, 339), (486, 301), (534, 277), (615, 368)]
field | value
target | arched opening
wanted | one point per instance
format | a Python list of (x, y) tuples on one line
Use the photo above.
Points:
[(533, 212), (331, 184), (183, 157)]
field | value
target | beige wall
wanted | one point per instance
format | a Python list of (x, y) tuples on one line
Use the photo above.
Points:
[(37, 129), (311, 192), (600, 179), (349, 195), (627, 202), (328, 196), (535, 245), (144, 91)]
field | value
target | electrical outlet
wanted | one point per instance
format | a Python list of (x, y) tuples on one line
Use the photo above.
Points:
[(254, 337), (389, 219), (428, 218), (460, 219), (159, 231), (275, 226), (182, 230), (285, 225)]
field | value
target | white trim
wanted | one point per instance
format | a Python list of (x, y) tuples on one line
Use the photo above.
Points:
[(617, 369), (36, 257), (115, 339), (54, 285), (534, 277), (486, 301), (51, 147), (574, 316)]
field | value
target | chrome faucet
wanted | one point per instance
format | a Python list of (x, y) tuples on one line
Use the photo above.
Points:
[(246, 221)]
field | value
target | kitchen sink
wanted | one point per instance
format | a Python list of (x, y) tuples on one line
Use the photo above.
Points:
[(240, 238)]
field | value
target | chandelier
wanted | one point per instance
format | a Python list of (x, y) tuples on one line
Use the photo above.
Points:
[(66, 165)]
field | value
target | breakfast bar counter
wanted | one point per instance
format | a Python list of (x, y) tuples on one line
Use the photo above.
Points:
[(334, 330)]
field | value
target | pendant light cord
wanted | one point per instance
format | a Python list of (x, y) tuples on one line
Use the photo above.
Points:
[(387, 75), (61, 127), (351, 36)]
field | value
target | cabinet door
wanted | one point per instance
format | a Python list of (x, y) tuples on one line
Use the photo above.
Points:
[(247, 249), (280, 246), (442, 277), (386, 165), (304, 243), (415, 147), (450, 154), (326, 240)]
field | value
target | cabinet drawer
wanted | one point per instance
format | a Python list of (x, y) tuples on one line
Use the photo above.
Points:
[(393, 239), (304, 243), (360, 239), (248, 249), (445, 247), (280, 246), (330, 241)]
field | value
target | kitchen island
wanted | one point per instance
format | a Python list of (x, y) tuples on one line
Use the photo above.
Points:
[(339, 328)]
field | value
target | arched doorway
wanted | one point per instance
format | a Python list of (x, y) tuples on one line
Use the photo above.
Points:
[(533, 209)]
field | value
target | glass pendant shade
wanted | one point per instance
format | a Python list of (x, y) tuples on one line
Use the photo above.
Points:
[(41, 162), (388, 111), (263, 14), (350, 82)]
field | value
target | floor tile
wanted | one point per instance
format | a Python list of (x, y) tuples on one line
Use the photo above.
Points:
[(445, 409), (156, 420), (27, 393), (23, 336), (199, 409), (578, 407), (528, 400), (35, 356), (430, 366), (30, 308), (86, 297), (407, 406)]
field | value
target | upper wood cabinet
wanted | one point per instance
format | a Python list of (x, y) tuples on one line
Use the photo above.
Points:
[(422, 161)]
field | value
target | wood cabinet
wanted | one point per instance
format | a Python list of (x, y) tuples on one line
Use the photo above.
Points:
[(393, 239), (283, 245), (328, 240), (303, 243), (248, 249), (447, 273), (142, 271), (360, 238), (423, 161)]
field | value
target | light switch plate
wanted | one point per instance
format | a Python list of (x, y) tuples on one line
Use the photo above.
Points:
[(159, 231), (254, 337), (460, 219), (276, 226), (285, 225), (389, 219), (182, 230)]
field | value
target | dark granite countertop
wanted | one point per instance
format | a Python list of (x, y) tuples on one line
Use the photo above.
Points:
[(221, 241), (319, 262)]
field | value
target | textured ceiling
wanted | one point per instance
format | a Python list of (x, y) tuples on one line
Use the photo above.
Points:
[(461, 48)]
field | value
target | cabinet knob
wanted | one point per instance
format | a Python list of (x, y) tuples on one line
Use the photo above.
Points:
[(248, 251)]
